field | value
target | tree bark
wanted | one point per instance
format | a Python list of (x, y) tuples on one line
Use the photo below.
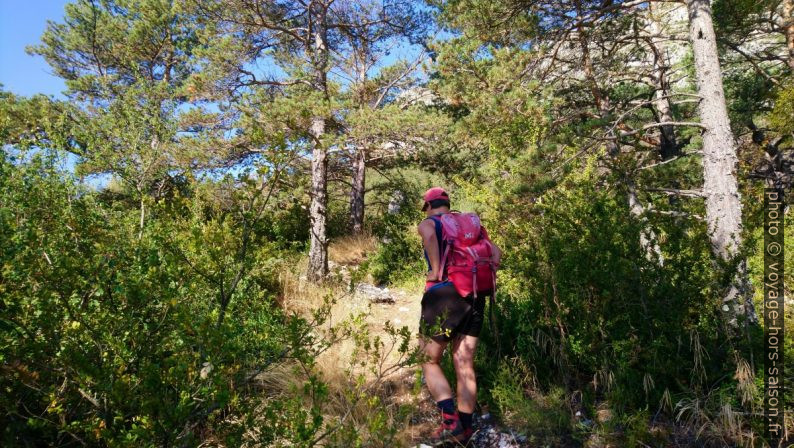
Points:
[(788, 16), (648, 239), (318, 244), (143, 215), (668, 143), (723, 204), (357, 192), (668, 146)]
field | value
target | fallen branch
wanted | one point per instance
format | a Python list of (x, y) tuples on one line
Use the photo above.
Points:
[(90, 399), (676, 214), (677, 192)]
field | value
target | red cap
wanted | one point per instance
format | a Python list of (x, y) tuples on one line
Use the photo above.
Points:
[(433, 194)]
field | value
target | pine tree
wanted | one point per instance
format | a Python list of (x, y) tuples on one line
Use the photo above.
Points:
[(125, 64), (599, 58), (301, 44)]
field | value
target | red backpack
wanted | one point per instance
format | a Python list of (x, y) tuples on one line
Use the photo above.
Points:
[(467, 256)]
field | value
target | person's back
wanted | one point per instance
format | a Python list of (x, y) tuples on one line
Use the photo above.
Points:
[(448, 316)]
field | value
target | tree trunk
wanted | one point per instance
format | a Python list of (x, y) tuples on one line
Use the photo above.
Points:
[(357, 192), (723, 205), (788, 16), (668, 143), (648, 240), (668, 146), (395, 202), (318, 244), (143, 215)]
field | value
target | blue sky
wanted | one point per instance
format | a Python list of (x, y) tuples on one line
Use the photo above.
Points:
[(21, 24)]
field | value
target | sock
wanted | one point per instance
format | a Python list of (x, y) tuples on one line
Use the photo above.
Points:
[(465, 419), (447, 406)]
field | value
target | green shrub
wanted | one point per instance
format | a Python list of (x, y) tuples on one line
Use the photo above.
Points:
[(544, 415), (113, 335), (582, 305), (399, 256)]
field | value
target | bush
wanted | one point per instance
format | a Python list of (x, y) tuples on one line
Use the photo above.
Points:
[(399, 256), (521, 405), (580, 302), (114, 335)]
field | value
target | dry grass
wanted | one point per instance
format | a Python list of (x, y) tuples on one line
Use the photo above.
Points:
[(722, 426), (363, 372), (276, 380), (351, 249), (303, 297), (746, 384)]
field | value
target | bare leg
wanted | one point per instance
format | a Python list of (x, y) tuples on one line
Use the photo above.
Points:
[(434, 377), (463, 348)]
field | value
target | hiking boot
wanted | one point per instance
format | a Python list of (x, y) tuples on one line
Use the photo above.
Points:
[(451, 430)]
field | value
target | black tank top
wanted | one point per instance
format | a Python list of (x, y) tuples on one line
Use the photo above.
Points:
[(441, 243)]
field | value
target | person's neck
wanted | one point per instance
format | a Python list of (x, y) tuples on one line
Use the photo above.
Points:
[(440, 211)]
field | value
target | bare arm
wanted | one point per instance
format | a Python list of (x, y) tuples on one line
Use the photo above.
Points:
[(427, 230)]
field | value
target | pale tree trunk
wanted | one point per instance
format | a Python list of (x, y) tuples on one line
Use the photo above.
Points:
[(723, 205), (360, 157), (142, 216), (788, 16), (318, 243), (668, 143), (668, 146), (357, 192), (647, 236)]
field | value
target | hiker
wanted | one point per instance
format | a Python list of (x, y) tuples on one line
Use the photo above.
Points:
[(462, 263)]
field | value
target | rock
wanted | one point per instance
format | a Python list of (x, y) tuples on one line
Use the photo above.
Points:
[(489, 437), (373, 293), (396, 201), (205, 371), (418, 95)]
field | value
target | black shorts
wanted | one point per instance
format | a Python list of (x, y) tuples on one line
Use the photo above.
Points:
[(445, 313)]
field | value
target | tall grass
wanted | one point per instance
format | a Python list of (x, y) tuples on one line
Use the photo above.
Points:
[(364, 371)]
